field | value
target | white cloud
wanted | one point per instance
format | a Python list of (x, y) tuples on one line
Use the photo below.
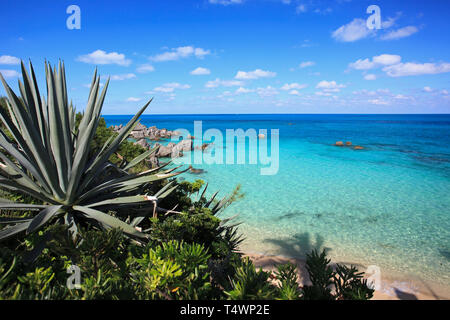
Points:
[(258, 73), (427, 89), (180, 53), (200, 71), (329, 85), (243, 90), (370, 77), (320, 93), (444, 92), (294, 92), (125, 76), (9, 60), (10, 73), (300, 8), (133, 99), (101, 57), (378, 102), (414, 69), (170, 87), (387, 59), (145, 68), (225, 2), (400, 33), (225, 83), (267, 91), (306, 64), (377, 61), (353, 31), (293, 85)]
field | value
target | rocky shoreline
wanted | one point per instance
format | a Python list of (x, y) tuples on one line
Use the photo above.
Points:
[(171, 150)]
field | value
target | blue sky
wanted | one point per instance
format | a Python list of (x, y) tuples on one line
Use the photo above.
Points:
[(239, 56)]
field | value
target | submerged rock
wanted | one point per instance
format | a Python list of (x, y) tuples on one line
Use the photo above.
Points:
[(358, 148)]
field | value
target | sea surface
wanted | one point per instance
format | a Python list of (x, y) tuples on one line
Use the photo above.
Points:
[(386, 205)]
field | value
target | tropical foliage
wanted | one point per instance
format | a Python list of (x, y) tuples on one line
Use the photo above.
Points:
[(48, 156), (77, 195)]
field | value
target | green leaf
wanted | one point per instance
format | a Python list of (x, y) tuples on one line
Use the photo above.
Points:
[(43, 216), (110, 221)]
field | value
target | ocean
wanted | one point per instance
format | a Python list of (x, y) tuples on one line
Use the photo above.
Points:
[(386, 205)]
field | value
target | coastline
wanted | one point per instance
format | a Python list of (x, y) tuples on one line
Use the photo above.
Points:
[(393, 287)]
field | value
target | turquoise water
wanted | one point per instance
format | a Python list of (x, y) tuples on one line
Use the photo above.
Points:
[(387, 205)]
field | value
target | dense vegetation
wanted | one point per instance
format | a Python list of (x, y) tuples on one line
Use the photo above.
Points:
[(149, 236)]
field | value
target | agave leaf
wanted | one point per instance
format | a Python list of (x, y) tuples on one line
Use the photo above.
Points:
[(165, 194), (11, 231), (163, 189), (4, 220), (119, 200), (211, 200), (110, 221), (101, 158), (43, 216), (141, 157)]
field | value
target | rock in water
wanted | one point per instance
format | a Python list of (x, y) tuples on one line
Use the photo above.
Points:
[(143, 143), (339, 144), (165, 151), (348, 143), (358, 148)]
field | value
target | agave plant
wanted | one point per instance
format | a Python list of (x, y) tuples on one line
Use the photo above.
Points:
[(44, 155)]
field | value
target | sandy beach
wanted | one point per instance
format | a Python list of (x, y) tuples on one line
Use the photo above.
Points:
[(392, 287)]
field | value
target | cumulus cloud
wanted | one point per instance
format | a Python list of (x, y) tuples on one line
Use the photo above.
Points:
[(10, 73), (170, 87), (370, 77), (225, 83), (378, 102), (133, 99), (9, 60), (352, 31), (250, 75), (200, 71), (306, 64), (400, 33), (145, 68), (414, 69), (102, 57), (300, 8), (267, 91), (180, 53), (376, 61), (125, 76), (329, 85), (243, 90), (293, 85), (427, 89)]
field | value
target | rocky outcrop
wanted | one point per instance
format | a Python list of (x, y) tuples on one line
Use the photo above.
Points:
[(140, 131), (349, 145), (143, 143)]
